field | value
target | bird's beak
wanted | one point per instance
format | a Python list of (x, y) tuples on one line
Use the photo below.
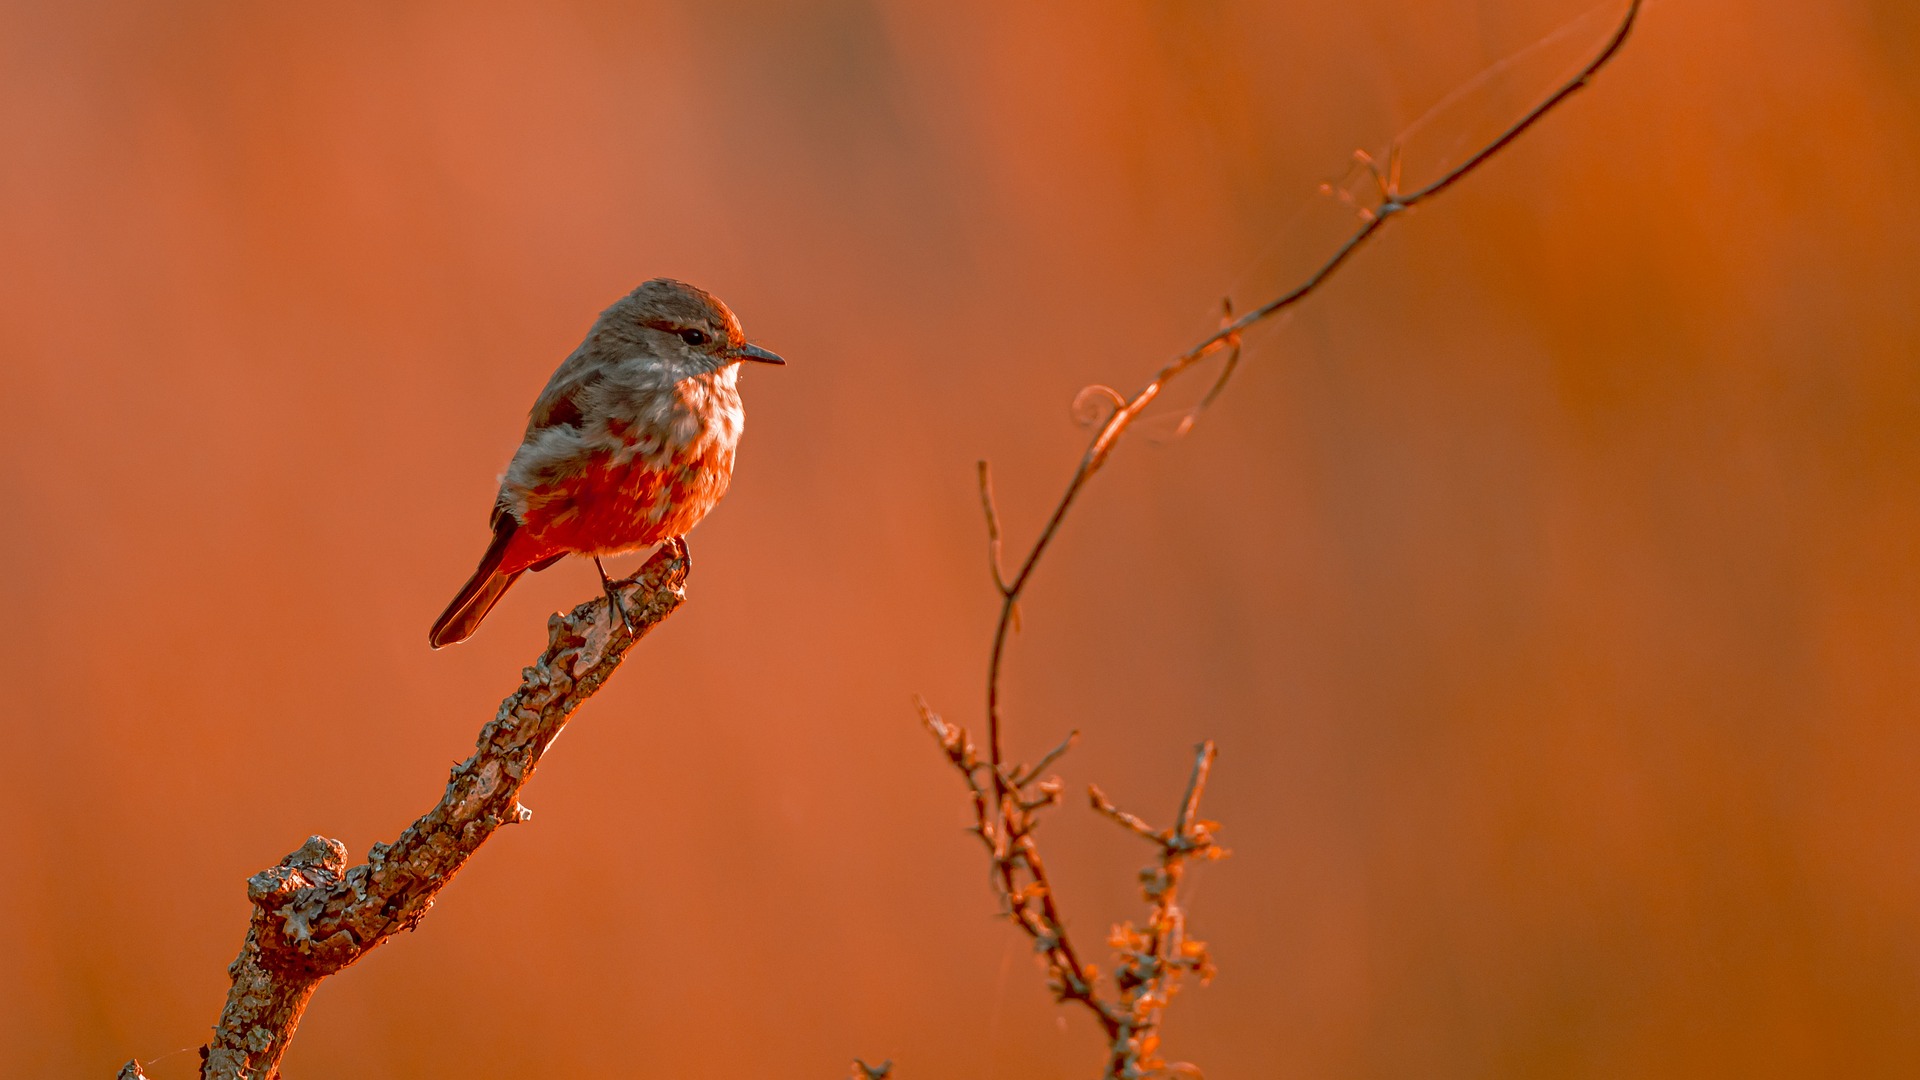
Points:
[(757, 354)]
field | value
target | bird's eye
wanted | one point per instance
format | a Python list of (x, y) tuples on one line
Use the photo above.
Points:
[(695, 338)]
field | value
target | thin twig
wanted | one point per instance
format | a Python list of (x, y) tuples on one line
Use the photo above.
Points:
[(1394, 203), (1219, 384), (1025, 776), (1020, 875), (993, 526), (1196, 786), (1153, 960), (1131, 822)]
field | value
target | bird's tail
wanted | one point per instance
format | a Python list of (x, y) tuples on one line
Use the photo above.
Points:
[(483, 590)]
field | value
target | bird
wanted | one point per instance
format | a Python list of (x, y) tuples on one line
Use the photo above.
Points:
[(631, 443)]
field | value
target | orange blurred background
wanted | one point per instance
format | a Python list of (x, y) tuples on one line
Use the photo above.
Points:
[(1550, 581)]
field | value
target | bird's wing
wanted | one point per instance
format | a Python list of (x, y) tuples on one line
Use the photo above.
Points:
[(560, 402)]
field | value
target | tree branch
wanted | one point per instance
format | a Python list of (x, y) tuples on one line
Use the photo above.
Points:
[(313, 916)]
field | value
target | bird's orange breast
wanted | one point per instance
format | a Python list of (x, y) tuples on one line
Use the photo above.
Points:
[(614, 502)]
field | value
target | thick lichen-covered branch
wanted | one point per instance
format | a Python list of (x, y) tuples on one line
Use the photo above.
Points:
[(313, 915)]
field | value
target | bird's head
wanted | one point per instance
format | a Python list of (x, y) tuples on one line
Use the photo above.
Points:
[(682, 325)]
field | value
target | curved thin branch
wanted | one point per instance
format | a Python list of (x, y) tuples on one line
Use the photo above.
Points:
[(313, 916), (1393, 203)]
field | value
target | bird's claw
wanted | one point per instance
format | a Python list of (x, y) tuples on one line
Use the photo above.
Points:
[(614, 603), (613, 599)]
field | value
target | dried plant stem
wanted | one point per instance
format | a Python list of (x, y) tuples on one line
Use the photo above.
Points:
[(313, 915), (1153, 959), (1150, 960), (1393, 202), (1020, 874), (1006, 800)]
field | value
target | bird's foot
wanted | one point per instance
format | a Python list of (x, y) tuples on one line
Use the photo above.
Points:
[(614, 603)]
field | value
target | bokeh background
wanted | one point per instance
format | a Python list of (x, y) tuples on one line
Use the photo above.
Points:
[(1551, 581)]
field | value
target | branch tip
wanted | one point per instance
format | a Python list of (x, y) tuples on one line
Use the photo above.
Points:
[(993, 526)]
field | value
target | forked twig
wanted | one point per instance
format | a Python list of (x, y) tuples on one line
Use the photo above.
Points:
[(1154, 957), (1151, 960), (1005, 824), (1219, 384)]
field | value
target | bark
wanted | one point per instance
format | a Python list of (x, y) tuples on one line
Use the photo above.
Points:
[(313, 915)]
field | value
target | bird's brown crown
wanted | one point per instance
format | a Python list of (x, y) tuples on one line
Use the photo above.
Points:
[(673, 307)]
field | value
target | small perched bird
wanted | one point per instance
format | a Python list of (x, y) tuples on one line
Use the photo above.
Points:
[(631, 443)]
